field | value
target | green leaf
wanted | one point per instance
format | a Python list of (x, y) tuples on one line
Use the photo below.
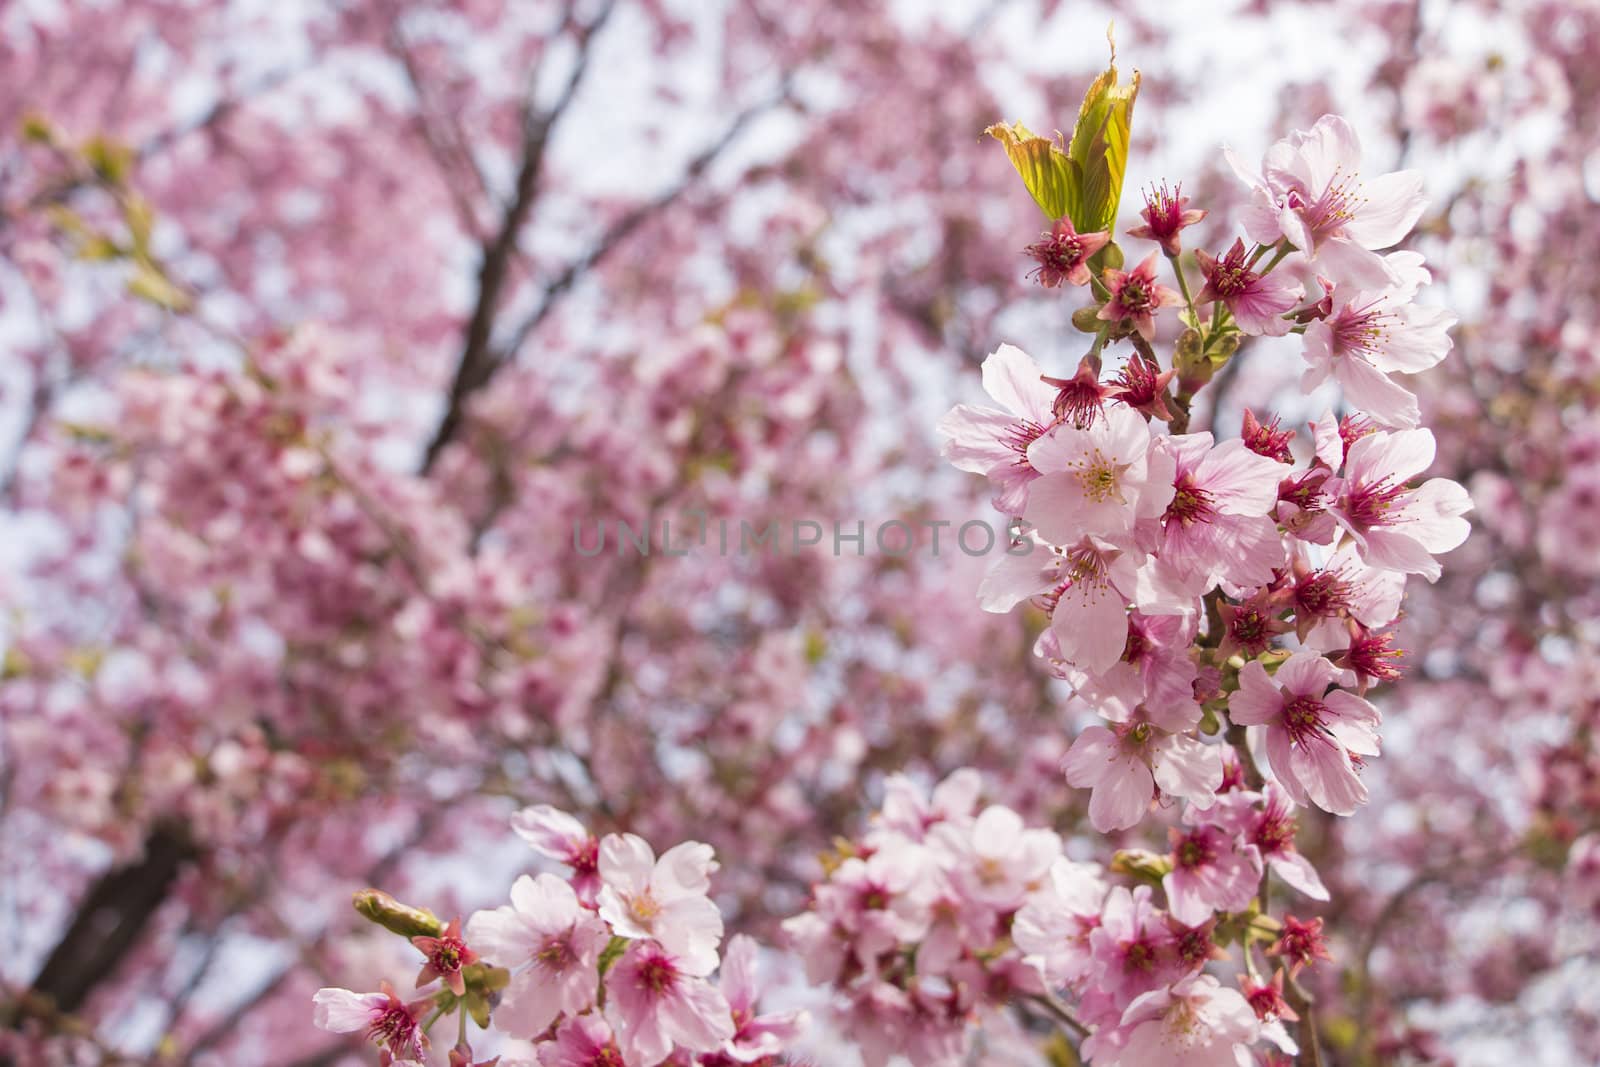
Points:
[(478, 1008), (1042, 164), (1099, 150), (150, 284), (614, 949)]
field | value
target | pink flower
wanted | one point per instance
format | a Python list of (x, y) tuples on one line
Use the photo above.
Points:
[(998, 860), (1088, 608), (1135, 297), (1165, 217), (553, 945), (1142, 385), (1063, 254), (446, 954), (1134, 950), (995, 442), (1155, 669), (755, 1036), (387, 1020), (1344, 588), (662, 899), (1265, 439), (558, 835), (1216, 525), (1369, 335), (654, 1002), (1249, 627), (1395, 527), (1266, 999), (1197, 1022), (1310, 192), (1301, 943), (1312, 733), (1081, 398), (582, 1041), (1053, 927), (1097, 481), (1213, 869), (1125, 764), (1257, 302), (911, 813), (1266, 820), (868, 907)]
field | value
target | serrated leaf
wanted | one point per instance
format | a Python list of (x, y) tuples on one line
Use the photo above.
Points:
[(1041, 163), (1099, 150)]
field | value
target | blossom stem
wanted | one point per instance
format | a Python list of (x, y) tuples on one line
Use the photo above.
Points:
[(1305, 1005), (1284, 248), (1059, 1012), (1183, 287)]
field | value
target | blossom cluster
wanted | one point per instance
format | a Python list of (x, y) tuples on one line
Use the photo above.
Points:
[(944, 916), (1175, 561), (608, 966), (1223, 606)]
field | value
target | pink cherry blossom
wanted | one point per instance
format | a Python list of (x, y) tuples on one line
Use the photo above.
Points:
[(1053, 927), (1395, 526), (1136, 297), (1312, 734), (1063, 254), (1216, 525), (1266, 820), (1370, 335), (1311, 192), (1126, 764), (755, 1036), (1134, 950), (1088, 606), (582, 1041), (1257, 302), (663, 899), (654, 1004), (1196, 1022), (551, 943), (998, 859), (1213, 869), (558, 835), (1165, 217), (1097, 481), (383, 1017), (995, 442)]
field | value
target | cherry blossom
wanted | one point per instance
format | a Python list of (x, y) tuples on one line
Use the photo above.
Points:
[(1314, 735)]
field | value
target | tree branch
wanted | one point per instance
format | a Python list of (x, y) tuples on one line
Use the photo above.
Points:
[(477, 363)]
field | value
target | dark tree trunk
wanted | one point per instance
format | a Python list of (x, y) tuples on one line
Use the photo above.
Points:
[(110, 919)]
